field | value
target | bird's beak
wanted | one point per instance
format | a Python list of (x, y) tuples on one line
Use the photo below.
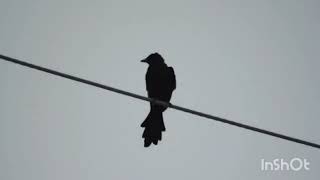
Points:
[(143, 60)]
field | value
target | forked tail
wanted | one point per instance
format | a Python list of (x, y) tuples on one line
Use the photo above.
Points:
[(154, 126)]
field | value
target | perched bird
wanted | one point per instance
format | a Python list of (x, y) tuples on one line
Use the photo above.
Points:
[(160, 83)]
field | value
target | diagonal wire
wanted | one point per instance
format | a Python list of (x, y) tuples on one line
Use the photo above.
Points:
[(109, 88)]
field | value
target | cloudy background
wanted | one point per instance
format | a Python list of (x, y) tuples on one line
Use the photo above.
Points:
[(255, 62)]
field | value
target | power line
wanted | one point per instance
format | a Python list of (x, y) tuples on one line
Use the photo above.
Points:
[(109, 88)]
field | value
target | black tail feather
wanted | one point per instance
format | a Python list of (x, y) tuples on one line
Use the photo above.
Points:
[(154, 126)]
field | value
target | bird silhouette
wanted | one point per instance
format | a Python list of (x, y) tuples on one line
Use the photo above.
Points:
[(160, 83)]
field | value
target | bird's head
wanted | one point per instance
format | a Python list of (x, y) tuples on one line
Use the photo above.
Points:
[(154, 58)]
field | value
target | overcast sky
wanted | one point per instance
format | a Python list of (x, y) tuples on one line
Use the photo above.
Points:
[(254, 62)]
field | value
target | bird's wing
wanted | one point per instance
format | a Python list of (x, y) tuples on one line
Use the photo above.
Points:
[(171, 79)]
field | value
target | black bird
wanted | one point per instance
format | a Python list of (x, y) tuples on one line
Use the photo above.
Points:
[(160, 83)]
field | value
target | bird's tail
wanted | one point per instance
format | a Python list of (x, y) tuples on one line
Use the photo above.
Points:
[(154, 126)]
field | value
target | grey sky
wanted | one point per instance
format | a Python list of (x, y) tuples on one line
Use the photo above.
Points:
[(255, 62)]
